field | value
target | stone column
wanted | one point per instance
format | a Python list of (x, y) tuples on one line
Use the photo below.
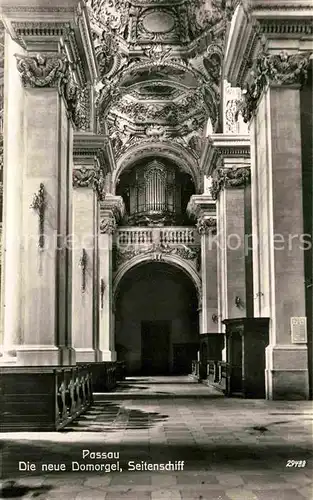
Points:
[(12, 207), (44, 74), (279, 240), (112, 210), (271, 105), (203, 208), (230, 170), (88, 182)]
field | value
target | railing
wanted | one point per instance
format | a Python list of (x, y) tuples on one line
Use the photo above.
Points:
[(120, 370), (127, 236), (74, 386), (185, 236), (218, 375), (195, 369), (104, 375), (160, 236)]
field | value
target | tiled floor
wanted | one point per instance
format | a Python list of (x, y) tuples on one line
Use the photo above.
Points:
[(232, 449)]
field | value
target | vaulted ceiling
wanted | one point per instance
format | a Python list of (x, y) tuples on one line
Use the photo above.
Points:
[(160, 69)]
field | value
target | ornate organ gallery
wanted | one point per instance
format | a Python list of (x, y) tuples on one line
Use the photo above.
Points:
[(155, 193)]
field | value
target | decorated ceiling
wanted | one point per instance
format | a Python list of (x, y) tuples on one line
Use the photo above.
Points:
[(160, 69)]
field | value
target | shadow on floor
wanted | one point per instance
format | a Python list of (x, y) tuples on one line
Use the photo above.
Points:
[(110, 417), (125, 387), (11, 489)]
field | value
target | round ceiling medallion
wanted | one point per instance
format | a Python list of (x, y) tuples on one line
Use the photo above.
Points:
[(158, 21)]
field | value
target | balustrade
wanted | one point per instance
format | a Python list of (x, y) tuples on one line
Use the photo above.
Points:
[(195, 369), (159, 236), (104, 375), (127, 236), (218, 375)]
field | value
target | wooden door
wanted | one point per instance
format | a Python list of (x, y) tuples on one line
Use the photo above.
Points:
[(155, 340)]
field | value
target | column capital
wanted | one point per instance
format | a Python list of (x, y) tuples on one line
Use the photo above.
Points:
[(207, 225), (231, 177), (42, 69), (48, 70), (281, 69)]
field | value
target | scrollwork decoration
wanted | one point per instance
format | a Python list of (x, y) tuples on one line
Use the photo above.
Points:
[(215, 318), (39, 205), (99, 185), (158, 250), (108, 226)]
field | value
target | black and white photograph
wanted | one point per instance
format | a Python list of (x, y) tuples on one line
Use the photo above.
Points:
[(156, 263)]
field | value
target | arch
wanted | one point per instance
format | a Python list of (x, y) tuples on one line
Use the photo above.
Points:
[(173, 152), (167, 259)]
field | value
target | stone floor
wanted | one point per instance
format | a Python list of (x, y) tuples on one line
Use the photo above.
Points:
[(232, 449)]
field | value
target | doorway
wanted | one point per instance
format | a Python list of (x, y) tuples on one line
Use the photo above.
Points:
[(156, 310), (155, 342)]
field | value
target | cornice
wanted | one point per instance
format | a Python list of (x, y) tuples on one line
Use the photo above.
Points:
[(84, 27), (88, 148), (220, 147), (201, 205), (46, 28), (110, 156), (111, 208), (290, 8)]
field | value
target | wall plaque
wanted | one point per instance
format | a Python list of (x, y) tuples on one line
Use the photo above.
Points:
[(298, 330)]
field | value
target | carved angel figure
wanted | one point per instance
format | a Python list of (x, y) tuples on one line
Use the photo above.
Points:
[(41, 70)]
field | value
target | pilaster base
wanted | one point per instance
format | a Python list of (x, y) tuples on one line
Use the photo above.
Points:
[(34, 355), (286, 374), (107, 356), (7, 359), (85, 355)]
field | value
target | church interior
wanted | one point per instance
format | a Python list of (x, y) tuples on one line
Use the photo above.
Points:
[(156, 192)]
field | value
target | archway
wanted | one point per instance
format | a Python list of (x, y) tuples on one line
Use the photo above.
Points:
[(156, 320)]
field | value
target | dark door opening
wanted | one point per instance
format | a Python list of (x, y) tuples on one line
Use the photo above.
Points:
[(155, 340)]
